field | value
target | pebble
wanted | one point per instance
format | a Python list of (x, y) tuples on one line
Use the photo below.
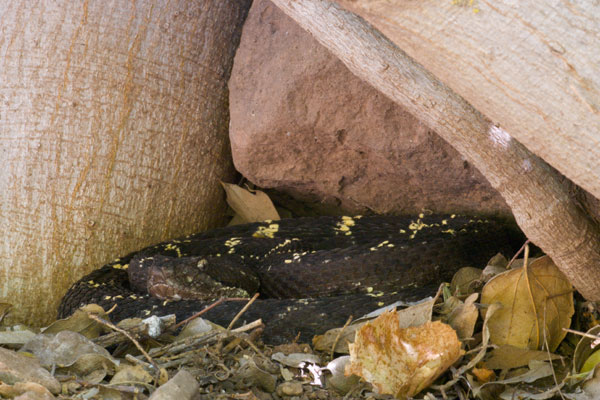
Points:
[(290, 389)]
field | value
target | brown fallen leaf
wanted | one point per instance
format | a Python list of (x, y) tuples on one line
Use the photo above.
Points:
[(250, 206), (73, 353), (414, 315), (537, 303), (80, 322), (586, 348), (483, 375), (402, 362), (508, 357), (25, 390), (464, 317), (520, 385), (465, 281), (22, 367), (131, 373)]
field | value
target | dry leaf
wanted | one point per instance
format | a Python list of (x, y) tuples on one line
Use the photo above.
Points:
[(71, 351), (131, 374), (537, 370), (507, 357), (25, 390), (498, 261), (501, 389), (585, 348), (17, 335), (483, 375), (22, 367), (338, 379), (251, 207), (414, 315), (402, 362), (533, 299), (80, 322), (464, 317), (465, 281), (591, 385)]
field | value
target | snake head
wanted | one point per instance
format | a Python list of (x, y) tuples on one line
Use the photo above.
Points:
[(190, 278)]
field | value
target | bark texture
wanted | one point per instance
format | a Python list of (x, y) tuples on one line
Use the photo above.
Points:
[(531, 66), (113, 134), (536, 193)]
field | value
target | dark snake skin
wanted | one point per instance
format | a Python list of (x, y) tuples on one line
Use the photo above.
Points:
[(312, 273)]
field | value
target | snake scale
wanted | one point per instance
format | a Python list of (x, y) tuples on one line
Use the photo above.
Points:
[(311, 273)]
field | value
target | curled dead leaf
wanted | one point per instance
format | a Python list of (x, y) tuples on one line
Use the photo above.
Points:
[(71, 351), (250, 206), (585, 351), (80, 322), (483, 375), (131, 374), (507, 357), (414, 315), (402, 362), (464, 317), (465, 281)]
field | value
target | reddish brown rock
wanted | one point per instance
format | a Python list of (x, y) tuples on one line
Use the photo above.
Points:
[(303, 124)]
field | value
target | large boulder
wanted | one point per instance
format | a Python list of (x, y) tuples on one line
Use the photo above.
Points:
[(303, 124), (113, 134)]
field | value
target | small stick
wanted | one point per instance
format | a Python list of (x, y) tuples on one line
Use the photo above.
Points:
[(584, 334), (134, 360), (199, 339), (199, 313), (248, 327), (517, 253), (135, 342), (337, 338), (213, 305), (242, 311), (256, 349), (112, 338), (112, 309)]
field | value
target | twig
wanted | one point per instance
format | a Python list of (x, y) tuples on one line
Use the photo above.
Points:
[(584, 334), (201, 338), (213, 305), (557, 385), (135, 342), (248, 327), (135, 360), (517, 253), (182, 344), (256, 349), (116, 337), (199, 313), (112, 309), (242, 311), (337, 338)]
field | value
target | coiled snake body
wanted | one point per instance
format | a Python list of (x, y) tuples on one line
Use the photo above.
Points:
[(311, 272)]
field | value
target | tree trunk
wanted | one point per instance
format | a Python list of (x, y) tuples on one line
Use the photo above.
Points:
[(532, 66), (538, 196), (113, 134)]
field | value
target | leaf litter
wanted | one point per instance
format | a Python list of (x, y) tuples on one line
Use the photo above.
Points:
[(436, 348), (493, 333)]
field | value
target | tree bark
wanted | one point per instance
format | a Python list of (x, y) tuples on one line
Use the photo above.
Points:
[(532, 66), (113, 134), (536, 193)]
